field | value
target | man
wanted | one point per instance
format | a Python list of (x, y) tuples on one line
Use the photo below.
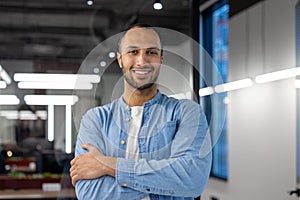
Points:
[(143, 145)]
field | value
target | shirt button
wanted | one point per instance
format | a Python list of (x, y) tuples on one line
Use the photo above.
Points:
[(127, 119), (124, 185), (122, 142)]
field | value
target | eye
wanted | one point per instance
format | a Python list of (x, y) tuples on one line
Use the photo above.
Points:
[(152, 52), (133, 52)]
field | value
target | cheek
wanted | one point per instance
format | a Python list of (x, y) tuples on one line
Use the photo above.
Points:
[(157, 67), (156, 62), (127, 63)]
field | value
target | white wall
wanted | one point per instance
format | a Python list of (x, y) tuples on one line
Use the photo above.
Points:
[(261, 119), (176, 69)]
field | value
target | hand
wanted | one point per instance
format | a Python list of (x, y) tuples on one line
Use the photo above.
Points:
[(91, 165)]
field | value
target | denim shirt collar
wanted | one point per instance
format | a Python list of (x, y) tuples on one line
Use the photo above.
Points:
[(151, 102)]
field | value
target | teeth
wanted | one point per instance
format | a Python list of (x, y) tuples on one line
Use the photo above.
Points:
[(141, 72)]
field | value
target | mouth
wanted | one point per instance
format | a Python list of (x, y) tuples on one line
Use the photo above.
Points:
[(141, 72)]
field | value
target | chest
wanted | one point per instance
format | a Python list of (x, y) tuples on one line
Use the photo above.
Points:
[(154, 137)]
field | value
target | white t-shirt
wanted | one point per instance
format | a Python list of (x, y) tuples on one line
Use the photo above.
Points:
[(132, 148)]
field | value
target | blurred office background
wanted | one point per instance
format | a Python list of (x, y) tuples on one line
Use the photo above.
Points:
[(238, 58)]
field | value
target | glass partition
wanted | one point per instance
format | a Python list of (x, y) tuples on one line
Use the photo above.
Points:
[(214, 23)]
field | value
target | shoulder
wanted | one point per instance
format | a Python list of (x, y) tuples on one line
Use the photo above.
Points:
[(179, 103), (100, 111)]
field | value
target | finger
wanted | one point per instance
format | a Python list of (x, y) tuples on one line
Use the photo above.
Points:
[(72, 162), (72, 171), (74, 180)]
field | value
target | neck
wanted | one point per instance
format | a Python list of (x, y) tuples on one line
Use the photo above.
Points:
[(136, 97)]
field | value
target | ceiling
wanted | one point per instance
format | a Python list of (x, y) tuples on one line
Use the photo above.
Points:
[(67, 30), (55, 36), (59, 34)]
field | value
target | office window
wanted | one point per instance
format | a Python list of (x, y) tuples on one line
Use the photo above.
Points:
[(214, 39)]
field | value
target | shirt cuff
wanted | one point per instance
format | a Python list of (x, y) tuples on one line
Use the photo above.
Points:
[(125, 172)]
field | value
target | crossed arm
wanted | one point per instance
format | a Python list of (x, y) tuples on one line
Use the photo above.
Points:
[(185, 170), (92, 165)]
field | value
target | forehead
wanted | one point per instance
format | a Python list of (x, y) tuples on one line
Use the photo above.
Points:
[(140, 38)]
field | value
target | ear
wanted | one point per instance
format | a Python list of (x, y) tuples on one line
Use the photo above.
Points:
[(119, 57)]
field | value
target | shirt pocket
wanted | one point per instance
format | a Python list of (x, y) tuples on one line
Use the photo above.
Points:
[(162, 137)]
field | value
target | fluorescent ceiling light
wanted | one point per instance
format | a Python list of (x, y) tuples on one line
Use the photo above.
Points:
[(4, 75), (50, 123), (9, 100), (9, 114), (278, 75), (2, 84), (41, 114), (68, 129), (25, 112), (50, 99), (45, 77), (56, 85), (33, 117), (206, 91), (21, 115), (26, 115), (234, 85)]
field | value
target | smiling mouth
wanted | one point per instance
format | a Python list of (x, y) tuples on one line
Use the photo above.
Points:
[(141, 72)]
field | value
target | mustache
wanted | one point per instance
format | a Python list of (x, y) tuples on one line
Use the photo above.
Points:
[(149, 67)]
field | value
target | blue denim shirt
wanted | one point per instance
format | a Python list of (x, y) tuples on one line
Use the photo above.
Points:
[(174, 145)]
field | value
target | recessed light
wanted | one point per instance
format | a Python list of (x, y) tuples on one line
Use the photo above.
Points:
[(96, 70), (89, 2), (111, 54), (102, 63)]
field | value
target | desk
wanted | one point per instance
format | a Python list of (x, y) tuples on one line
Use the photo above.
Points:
[(7, 182), (37, 194)]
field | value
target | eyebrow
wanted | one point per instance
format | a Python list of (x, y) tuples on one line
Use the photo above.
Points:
[(136, 47)]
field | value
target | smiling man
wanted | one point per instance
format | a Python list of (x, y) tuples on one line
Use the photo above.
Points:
[(140, 57), (143, 145)]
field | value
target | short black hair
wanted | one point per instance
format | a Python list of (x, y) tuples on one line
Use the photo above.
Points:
[(139, 25)]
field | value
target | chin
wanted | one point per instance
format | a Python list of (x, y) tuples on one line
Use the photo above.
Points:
[(145, 86)]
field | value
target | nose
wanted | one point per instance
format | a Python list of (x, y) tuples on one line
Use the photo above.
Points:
[(141, 59)]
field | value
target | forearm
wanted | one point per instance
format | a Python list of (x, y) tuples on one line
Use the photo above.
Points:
[(185, 176), (110, 165), (102, 187), (93, 175), (105, 188)]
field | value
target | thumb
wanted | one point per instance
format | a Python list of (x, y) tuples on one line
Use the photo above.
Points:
[(87, 146), (92, 149)]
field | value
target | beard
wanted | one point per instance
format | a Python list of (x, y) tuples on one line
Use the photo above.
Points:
[(129, 79)]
